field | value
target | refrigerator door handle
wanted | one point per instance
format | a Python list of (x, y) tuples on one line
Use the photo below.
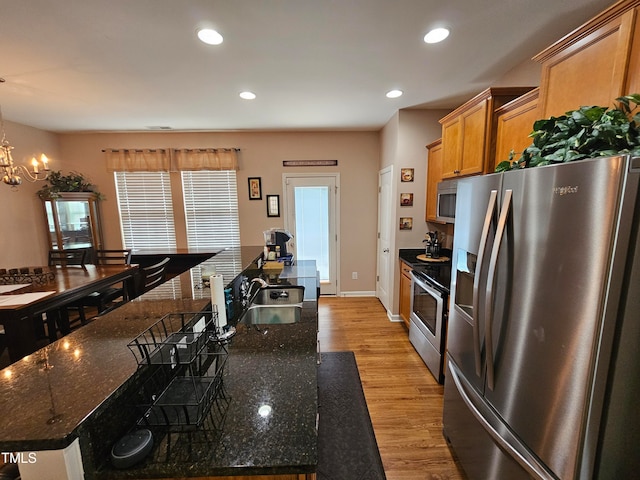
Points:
[(491, 277), (520, 455), (476, 281)]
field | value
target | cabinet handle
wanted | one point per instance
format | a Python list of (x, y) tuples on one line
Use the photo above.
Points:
[(456, 172)]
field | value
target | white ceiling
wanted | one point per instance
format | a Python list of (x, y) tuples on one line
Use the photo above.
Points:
[(116, 65)]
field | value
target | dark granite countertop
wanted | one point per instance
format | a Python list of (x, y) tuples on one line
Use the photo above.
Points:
[(409, 255), (84, 379)]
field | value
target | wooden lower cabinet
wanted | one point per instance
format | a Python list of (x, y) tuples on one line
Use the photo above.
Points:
[(434, 176), (405, 292)]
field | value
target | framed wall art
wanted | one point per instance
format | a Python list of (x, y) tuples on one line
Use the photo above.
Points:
[(406, 174), (406, 223), (255, 188), (273, 205), (406, 199)]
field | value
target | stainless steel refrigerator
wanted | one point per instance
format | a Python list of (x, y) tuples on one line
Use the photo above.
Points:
[(543, 346)]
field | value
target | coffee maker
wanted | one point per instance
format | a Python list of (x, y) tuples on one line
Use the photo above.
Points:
[(275, 240)]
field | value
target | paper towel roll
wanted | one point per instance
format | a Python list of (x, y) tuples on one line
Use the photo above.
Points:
[(217, 298)]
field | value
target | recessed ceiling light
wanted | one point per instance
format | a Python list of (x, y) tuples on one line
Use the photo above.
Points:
[(209, 36), (436, 35), (394, 93), (247, 95)]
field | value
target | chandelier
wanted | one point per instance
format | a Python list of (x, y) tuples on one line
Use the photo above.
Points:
[(12, 174)]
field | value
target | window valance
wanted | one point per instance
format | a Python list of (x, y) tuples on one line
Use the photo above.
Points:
[(206, 158), (165, 160), (145, 160)]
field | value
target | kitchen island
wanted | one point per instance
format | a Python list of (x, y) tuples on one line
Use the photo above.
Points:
[(69, 402)]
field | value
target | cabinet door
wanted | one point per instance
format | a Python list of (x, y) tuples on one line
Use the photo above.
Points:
[(474, 130), (451, 141), (633, 78), (434, 175), (405, 292), (73, 221), (514, 124), (588, 67)]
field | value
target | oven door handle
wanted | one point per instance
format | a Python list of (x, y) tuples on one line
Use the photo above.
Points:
[(425, 286)]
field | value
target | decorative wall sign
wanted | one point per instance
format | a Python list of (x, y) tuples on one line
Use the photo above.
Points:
[(406, 174), (406, 223), (255, 188), (309, 163), (273, 205), (406, 199)]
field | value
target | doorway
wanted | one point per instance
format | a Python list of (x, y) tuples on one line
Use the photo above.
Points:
[(384, 276), (311, 203)]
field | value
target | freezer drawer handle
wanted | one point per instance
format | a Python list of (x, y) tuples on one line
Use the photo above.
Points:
[(476, 281), (525, 459), (491, 277)]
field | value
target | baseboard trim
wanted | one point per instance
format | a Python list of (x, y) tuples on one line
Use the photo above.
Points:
[(358, 294), (394, 318)]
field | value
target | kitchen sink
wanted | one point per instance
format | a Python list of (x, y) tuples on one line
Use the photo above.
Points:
[(272, 314), (277, 295)]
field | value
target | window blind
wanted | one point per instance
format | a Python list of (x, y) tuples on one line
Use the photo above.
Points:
[(146, 210), (211, 214)]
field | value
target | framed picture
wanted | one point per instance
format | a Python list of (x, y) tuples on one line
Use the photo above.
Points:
[(255, 188), (406, 199), (406, 223), (406, 174), (273, 205)]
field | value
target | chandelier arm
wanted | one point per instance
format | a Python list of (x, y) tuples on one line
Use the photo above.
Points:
[(30, 176)]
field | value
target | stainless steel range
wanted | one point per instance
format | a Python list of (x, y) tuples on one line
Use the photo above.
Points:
[(429, 311)]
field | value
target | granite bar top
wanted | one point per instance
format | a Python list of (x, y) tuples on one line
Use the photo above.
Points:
[(77, 387), (272, 367)]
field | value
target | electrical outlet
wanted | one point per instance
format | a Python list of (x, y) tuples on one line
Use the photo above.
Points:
[(354, 275)]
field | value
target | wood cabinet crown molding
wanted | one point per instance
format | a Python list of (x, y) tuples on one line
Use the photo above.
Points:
[(616, 10), (485, 95), (519, 102), (434, 144)]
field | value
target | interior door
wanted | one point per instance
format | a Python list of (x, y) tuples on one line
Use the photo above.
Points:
[(311, 205), (385, 228)]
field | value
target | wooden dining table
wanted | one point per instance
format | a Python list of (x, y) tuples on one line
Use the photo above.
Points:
[(69, 284)]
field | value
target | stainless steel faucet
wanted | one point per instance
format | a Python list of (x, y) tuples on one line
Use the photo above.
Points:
[(260, 281), (253, 281)]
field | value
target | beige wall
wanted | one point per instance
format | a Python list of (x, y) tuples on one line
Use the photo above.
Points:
[(403, 141), (360, 155), (23, 233), (261, 155)]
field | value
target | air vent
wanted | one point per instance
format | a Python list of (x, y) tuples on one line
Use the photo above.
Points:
[(159, 127)]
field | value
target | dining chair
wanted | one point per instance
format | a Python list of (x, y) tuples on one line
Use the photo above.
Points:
[(106, 298), (152, 276), (3, 340), (65, 258)]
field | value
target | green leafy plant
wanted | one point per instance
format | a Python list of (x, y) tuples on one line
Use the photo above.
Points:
[(72, 182), (583, 133)]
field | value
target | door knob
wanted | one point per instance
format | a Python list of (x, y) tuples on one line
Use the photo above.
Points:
[(386, 250)]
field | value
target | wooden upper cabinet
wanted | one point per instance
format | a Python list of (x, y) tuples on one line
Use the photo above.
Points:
[(468, 133), (633, 72), (591, 65), (434, 175), (514, 124)]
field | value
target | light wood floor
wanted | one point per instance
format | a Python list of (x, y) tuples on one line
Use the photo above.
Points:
[(404, 400)]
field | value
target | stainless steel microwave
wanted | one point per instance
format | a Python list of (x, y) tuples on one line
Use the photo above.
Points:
[(446, 202)]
